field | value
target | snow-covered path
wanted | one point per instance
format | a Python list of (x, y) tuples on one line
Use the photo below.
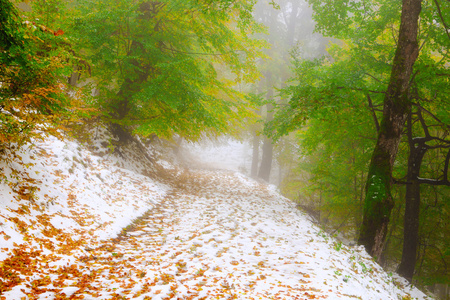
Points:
[(222, 236), (211, 240), (200, 235)]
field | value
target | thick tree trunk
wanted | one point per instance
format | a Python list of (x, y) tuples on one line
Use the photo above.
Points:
[(378, 202), (73, 79), (119, 107)]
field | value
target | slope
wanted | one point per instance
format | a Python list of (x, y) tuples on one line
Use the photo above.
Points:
[(67, 234)]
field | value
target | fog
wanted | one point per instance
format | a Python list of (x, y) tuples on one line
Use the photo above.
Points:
[(290, 34)]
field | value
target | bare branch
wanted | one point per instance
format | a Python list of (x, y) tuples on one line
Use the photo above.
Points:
[(431, 115), (438, 146), (422, 122), (374, 115), (447, 161), (373, 77), (442, 18), (443, 181), (433, 181)]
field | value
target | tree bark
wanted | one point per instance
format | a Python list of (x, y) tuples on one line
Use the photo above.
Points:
[(412, 205), (378, 201)]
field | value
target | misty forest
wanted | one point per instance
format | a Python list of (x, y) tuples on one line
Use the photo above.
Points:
[(344, 106)]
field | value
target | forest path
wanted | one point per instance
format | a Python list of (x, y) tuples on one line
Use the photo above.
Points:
[(210, 235), (206, 235), (212, 238)]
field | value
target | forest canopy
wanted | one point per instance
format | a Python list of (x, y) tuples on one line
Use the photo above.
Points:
[(170, 66), (348, 99)]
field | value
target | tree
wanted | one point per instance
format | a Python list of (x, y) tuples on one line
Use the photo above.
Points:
[(156, 63), (378, 201), (286, 25), (267, 148), (418, 147), (334, 105), (34, 62)]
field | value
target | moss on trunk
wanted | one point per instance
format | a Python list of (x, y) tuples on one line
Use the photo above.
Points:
[(378, 201), (378, 204)]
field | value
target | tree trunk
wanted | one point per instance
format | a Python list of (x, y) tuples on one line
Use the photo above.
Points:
[(266, 161), (73, 79), (378, 201), (255, 155), (417, 150), (119, 106), (267, 155), (255, 149)]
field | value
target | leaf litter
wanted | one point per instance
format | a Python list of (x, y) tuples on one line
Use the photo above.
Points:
[(92, 229)]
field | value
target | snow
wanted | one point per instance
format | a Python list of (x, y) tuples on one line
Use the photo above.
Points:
[(210, 233)]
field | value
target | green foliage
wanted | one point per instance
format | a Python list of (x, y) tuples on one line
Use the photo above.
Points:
[(332, 104), (337, 246), (12, 34), (34, 62), (328, 101), (50, 13), (156, 63)]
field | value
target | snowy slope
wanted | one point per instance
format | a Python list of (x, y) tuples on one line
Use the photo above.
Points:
[(208, 235)]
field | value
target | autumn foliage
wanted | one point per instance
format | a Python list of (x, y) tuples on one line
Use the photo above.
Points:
[(34, 64)]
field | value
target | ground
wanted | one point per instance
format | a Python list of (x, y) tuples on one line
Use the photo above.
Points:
[(89, 227)]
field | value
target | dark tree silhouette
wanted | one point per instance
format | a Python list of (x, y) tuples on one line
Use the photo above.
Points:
[(378, 201), (418, 147)]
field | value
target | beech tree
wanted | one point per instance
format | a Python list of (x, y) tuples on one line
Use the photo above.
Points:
[(397, 103), (418, 148), (335, 103), (156, 63)]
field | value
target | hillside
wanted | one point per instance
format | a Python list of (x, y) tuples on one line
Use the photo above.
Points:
[(103, 224)]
